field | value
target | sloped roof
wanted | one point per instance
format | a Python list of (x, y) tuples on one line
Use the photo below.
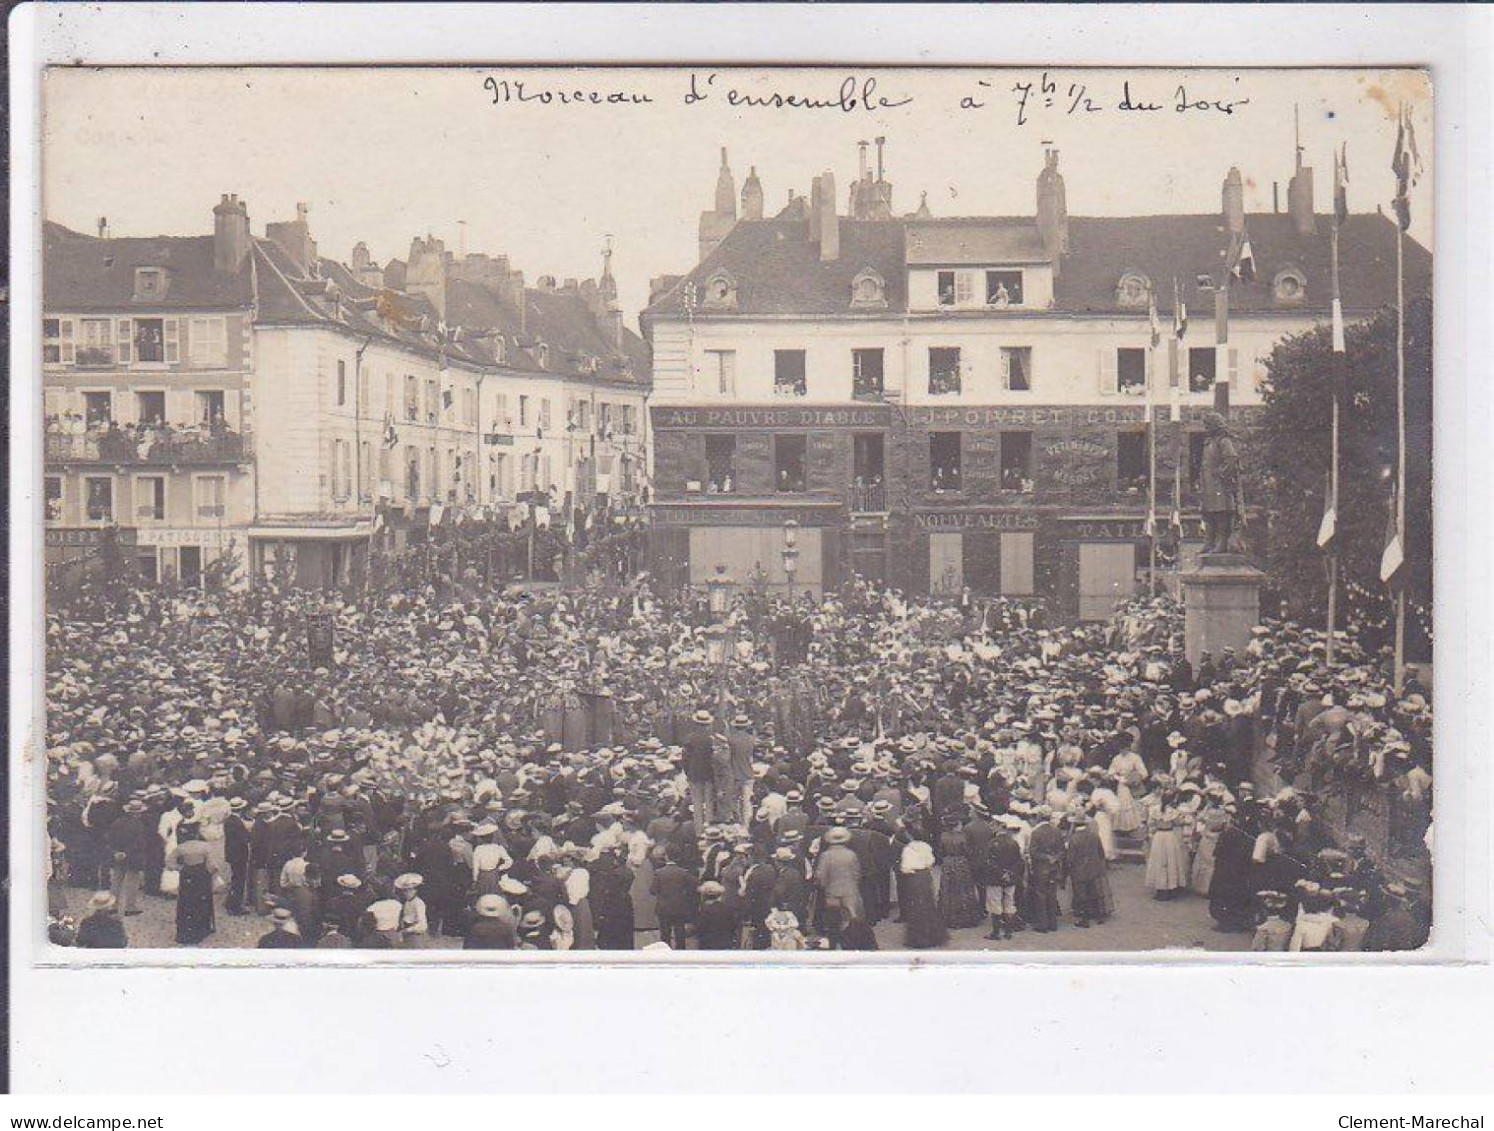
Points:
[(560, 319), (954, 242), (81, 272), (778, 272), (1102, 249)]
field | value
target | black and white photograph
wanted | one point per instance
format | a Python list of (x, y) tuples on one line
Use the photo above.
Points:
[(770, 514)]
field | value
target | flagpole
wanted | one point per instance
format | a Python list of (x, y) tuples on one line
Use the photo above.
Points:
[(1400, 480), (1337, 362)]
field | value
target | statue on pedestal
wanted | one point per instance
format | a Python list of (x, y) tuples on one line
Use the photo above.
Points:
[(1221, 491)]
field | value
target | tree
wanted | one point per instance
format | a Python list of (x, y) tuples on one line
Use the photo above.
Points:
[(1295, 438)]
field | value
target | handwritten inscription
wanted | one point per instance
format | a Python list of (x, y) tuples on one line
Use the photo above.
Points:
[(1048, 95), (1051, 95)]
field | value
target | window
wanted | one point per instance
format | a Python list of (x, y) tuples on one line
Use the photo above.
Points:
[(430, 401), (1003, 288), (98, 497), (789, 460), (150, 498), (788, 373), (57, 340), (1196, 441), (365, 470), (150, 340), (956, 288), (721, 454), (98, 409), (866, 373), (346, 452), (412, 397), (149, 283), (342, 382), (868, 492), (1016, 461), (97, 347), (210, 406), (523, 411), (54, 498), (604, 420), (432, 474), (944, 461), (944, 370), (1201, 370), (1132, 471), (498, 475), (412, 475), (721, 372), (545, 413), (211, 494), (1130, 370), (150, 408), (207, 341), (389, 391), (502, 421), (1016, 368)]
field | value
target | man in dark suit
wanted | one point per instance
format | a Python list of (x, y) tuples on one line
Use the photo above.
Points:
[(674, 889), (716, 928), (238, 833), (283, 933), (699, 769)]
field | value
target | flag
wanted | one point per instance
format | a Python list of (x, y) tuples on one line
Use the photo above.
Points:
[(437, 510), (1151, 522), (391, 437), (1179, 313), (1328, 527), (1394, 555), (1406, 165), (1151, 314), (1341, 184), (1244, 268)]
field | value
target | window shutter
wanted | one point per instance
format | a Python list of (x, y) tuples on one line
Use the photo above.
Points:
[(1234, 371), (1107, 366), (173, 341), (1173, 360), (122, 332)]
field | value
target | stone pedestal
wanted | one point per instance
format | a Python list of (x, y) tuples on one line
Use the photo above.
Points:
[(1221, 604)]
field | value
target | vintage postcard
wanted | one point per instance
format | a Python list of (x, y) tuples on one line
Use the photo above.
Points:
[(774, 513)]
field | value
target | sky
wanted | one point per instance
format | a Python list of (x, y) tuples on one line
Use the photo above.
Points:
[(385, 154)]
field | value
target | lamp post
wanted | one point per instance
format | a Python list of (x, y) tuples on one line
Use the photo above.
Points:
[(718, 594), (790, 553)]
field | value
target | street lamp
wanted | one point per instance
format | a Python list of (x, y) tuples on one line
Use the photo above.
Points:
[(790, 552), (718, 593)]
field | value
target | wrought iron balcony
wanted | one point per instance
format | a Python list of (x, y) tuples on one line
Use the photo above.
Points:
[(154, 446)]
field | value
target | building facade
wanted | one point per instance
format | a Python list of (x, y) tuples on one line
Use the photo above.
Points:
[(972, 402), (147, 371)]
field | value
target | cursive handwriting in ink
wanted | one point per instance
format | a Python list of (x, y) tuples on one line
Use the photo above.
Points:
[(515, 91)]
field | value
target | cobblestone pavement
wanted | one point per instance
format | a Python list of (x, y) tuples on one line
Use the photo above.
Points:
[(1140, 923)]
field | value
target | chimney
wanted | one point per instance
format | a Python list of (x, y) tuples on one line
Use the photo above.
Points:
[(1275, 197), (425, 273), (294, 238), (829, 233), (752, 196), (861, 167), (230, 234), (881, 142), (103, 227), (1052, 209), (1234, 202), (1300, 200)]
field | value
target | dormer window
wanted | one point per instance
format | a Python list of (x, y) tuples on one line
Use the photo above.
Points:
[(542, 352), (150, 284), (868, 291), (500, 349), (1134, 289), (720, 292), (1289, 287)]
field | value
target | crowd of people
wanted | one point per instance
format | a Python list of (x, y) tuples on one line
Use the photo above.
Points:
[(560, 770)]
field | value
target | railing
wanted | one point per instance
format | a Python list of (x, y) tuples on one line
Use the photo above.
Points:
[(868, 499), (154, 446), (790, 389)]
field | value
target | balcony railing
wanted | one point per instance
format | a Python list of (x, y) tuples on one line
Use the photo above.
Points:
[(163, 444)]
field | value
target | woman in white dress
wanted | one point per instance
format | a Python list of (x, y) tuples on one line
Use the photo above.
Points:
[(1130, 773), (1166, 860), (1105, 807)]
